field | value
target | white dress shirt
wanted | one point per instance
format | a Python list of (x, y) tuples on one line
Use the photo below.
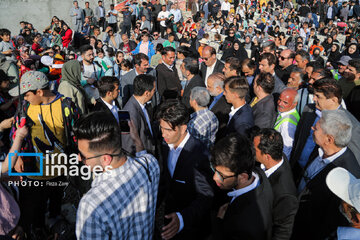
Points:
[(238, 192), (209, 71), (113, 108), (273, 169)]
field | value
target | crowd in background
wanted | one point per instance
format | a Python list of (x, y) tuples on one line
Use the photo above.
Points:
[(235, 120)]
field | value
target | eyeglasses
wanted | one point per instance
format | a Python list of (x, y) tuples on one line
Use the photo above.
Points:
[(156, 35), (205, 59), (83, 158), (231, 33), (220, 175)]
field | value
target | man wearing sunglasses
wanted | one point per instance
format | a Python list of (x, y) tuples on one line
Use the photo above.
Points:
[(285, 66), (248, 215), (210, 64), (122, 199)]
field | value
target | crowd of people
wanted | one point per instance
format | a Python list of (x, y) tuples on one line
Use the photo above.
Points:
[(239, 122)]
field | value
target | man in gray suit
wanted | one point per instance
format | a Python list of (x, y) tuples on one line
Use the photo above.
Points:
[(144, 89), (100, 15), (267, 63), (77, 16), (145, 23)]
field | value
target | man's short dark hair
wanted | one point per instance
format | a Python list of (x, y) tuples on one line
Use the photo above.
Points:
[(101, 130), (166, 50), (324, 72), (269, 57), (106, 84), (234, 152), (138, 58), (356, 64), (266, 81), (239, 85), (329, 87), (192, 65), (314, 65), (304, 54), (249, 63), (143, 83), (235, 64), (5, 32), (85, 48), (271, 143), (174, 113)]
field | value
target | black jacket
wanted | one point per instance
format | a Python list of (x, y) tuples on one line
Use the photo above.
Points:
[(168, 82), (219, 66), (249, 216), (221, 109), (196, 81), (241, 121), (264, 112), (190, 190), (318, 214)]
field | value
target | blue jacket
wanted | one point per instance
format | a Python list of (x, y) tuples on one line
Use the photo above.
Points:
[(151, 50)]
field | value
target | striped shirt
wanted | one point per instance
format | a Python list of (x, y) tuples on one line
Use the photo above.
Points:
[(121, 205)]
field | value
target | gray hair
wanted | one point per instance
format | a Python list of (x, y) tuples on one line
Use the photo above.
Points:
[(337, 124), (219, 79), (200, 95), (300, 71)]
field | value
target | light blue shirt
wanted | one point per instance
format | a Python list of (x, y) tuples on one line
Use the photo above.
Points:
[(238, 192), (113, 108), (317, 165), (348, 233), (146, 115), (216, 99), (174, 154)]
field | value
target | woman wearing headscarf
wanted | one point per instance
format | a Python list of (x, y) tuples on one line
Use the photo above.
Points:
[(352, 51), (70, 85), (237, 50), (334, 56)]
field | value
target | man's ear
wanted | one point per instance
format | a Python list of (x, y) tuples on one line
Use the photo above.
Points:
[(106, 160)]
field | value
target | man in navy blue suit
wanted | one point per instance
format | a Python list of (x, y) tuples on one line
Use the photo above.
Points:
[(240, 117), (185, 184)]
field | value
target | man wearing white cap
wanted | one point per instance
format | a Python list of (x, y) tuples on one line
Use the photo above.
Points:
[(344, 185)]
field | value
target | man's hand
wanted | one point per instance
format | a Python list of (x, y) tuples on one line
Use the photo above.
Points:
[(5, 124), (19, 165), (170, 230), (8, 52), (108, 29), (222, 211)]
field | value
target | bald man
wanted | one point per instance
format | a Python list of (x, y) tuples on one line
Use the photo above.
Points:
[(288, 118), (283, 70), (218, 105), (210, 64)]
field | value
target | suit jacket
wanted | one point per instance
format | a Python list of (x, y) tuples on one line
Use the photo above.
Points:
[(219, 66), (97, 12), (128, 86), (189, 191), (194, 9), (196, 81), (279, 85), (249, 216), (264, 112), (139, 120), (101, 106), (221, 109), (303, 131), (241, 121), (146, 25), (318, 214), (285, 201), (168, 82)]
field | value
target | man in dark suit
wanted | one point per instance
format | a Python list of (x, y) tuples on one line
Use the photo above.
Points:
[(219, 106), (210, 64), (190, 69), (248, 215), (263, 104), (109, 91), (185, 180), (327, 96), (144, 89), (168, 82), (268, 145), (240, 117), (141, 62), (318, 215), (267, 63)]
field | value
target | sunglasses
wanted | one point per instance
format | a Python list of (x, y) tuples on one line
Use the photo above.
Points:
[(283, 58), (156, 35)]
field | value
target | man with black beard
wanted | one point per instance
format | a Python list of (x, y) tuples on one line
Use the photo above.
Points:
[(353, 99), (350, 77)]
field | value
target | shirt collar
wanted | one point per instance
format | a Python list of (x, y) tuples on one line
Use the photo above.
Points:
[(168, 66), (273, 169), (110, 106), (331, 158), (238, 192), (234, 110), (101, 177), (218, 96), (181, 145), (287, 113), (141, 105)]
